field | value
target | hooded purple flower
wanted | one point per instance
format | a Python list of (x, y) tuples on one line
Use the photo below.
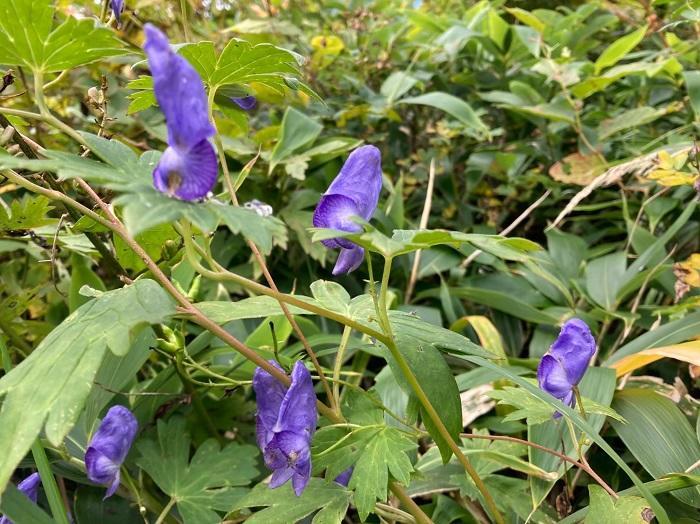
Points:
[(30, 487), (354, 192), (564, 365), (285, 423), (188, 167), (246, 103), (344, 478), (117, 9), (109, 447)]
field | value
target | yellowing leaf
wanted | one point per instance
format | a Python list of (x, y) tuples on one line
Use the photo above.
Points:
[(577, 169), (327, 45), (489, 337), (686, 352)]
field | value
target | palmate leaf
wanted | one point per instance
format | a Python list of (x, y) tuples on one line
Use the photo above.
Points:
[(57, 377), (144, 207), (377, 452), (26, 38), (282, 506), (211, 481), (26, 213), (625, 510), (240, 63)]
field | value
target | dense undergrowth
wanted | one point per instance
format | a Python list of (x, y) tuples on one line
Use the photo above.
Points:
[(536, 162)]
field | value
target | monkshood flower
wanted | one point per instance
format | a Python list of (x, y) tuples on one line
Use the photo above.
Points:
[(188, 168), (30, 487), (117, 9), (354, 192), (246, 103), (563, 366), (285, 423), (109, 447)]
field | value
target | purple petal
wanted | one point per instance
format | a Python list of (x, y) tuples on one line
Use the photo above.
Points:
[(30, 487), (179, 91), (109, 447), (280, 476), (298, 409), (335, 212), (552, 377), (246, 103), (301, 477), (344, 478), (117, 9), (360, 179), (188, 174), (269, 393), (349, 260), (574, 348)]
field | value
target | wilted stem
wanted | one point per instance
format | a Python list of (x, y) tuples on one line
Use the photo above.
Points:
[(408, 374)]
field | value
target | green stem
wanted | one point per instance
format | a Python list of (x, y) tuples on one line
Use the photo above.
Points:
[(58, 510), (383, 314), (166, 510), (338, 366), (196, 400), (579, 402)]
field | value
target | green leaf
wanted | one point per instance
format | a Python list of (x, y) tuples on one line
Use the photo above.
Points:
[(396, 85), (17, 506), (26, 38), (658, 435), (297, 130), (606, 510), (57, 377), (619, 49), (92, 506), (204, 484), (29, 212), (378, 453), (254, 307), (456, 108), (282, 506), (604, 277), (143, 207), (629, 119), (81, 275)]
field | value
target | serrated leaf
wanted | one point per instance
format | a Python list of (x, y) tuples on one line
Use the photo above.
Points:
[(57, 377), (26, 38), (377, 452), (282, 506), (143, 207), (26, 213), (603, 509), (210, 481)]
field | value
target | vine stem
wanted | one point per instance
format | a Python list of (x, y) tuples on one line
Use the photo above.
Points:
[(583, 466), (338, 366), (408, 374), (414, 509), (261, 261), (166, 510), (58, 510)]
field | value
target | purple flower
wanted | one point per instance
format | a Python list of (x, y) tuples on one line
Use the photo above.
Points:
[(285, 423), (354, 192), (246, 103), (117, 9), (564, 365), (188, 167), (30, 487), (109, 447)]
